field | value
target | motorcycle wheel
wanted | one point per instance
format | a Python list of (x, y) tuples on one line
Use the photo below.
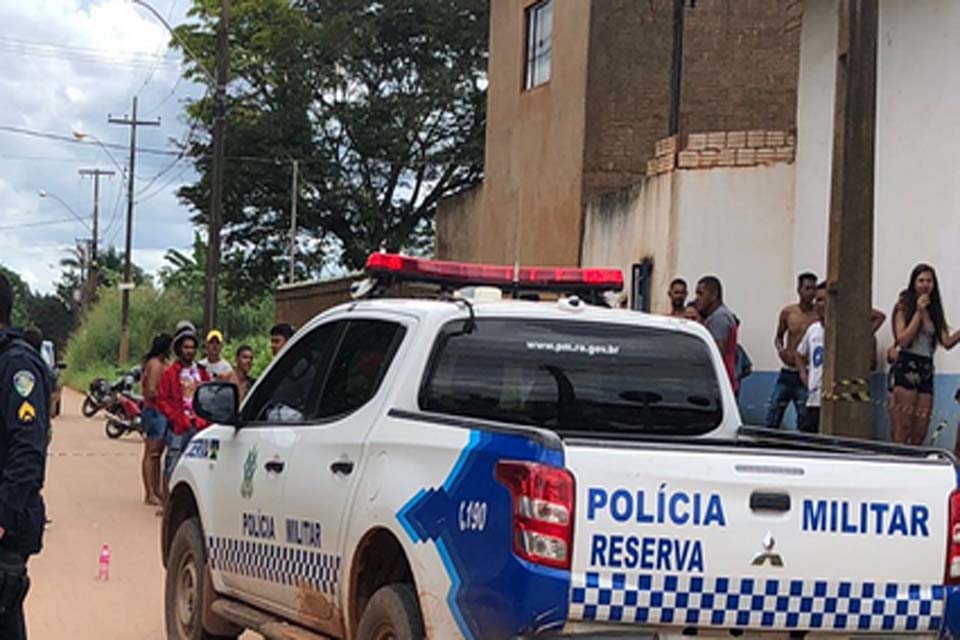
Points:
[(90, 407), (114, 430)]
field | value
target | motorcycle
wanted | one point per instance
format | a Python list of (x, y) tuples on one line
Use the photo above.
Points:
[(123, 407)]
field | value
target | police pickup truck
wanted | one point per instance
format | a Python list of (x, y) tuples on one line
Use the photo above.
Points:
[(448, 468)]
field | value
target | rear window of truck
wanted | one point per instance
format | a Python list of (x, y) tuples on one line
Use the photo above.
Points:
[(576, 378)]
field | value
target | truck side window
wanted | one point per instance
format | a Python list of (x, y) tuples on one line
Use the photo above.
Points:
[(288, 394), (365, 353)]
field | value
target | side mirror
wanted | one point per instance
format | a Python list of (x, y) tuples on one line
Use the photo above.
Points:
[(218, 403)]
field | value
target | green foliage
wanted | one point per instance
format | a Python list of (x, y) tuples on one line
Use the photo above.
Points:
[(21, 297), (46, 312), (93, 349), (383, 103)]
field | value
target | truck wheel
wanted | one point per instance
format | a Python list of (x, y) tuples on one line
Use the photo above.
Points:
[(392, 614), (185, 585)]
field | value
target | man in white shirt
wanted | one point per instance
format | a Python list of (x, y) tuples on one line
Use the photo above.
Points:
[(217, 367), (810, 354)]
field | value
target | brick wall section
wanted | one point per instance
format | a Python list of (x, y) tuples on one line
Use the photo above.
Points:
[(628, 90), (741, 65), (740, 68), (722, 149)]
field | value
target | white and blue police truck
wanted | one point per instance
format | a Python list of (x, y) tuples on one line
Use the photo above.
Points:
[(504, 468)]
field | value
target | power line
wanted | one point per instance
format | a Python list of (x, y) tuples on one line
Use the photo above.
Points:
[(153, 71), (38, 223)]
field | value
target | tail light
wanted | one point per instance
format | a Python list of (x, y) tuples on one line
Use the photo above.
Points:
[(543, 501), (953, 540)]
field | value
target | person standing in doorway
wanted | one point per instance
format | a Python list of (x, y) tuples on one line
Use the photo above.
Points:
[(810, 354), (216, 366), (24, 425), (791, 327), (721, 322), (919, 325), (154, 422), (678, 297), (279, 334)]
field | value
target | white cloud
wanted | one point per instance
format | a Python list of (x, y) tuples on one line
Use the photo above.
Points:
[(67, 64)]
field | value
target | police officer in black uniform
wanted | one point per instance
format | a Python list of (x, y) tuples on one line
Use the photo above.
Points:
[(25, 386)]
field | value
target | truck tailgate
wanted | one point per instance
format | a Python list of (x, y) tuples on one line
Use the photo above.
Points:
[(721, 537)]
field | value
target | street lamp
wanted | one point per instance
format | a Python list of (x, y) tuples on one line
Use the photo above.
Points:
[(81, 136), (156, 14), (47, 194)]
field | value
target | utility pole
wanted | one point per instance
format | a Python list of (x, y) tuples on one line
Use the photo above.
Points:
[(294, 198), (848, 334), (126, 285), (212, 276), (92, 279), (676, 67)]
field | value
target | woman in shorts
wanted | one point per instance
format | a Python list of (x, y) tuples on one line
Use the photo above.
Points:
[(154, 422), (919, 327)]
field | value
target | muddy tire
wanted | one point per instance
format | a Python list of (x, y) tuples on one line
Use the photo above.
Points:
[(186, 583), (392, 614)]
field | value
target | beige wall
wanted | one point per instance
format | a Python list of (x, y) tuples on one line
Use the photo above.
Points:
[(625, 227), (534, 149)]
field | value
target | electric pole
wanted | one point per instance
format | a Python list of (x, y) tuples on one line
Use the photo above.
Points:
[(126, 285), (294, 198), (848, 333), (215, 221), (92, 279)]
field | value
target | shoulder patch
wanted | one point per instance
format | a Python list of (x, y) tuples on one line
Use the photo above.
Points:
[(23, 382), (27, 413)]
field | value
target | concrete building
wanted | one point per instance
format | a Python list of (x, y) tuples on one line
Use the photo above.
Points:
[(757, 225), (579, 93)]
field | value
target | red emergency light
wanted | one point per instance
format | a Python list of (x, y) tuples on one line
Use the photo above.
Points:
[(467, 274)]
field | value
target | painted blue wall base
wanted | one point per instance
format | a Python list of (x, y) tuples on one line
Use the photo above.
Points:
[(755, 397)]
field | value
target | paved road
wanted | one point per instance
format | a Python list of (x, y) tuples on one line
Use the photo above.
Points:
[(94, 496)]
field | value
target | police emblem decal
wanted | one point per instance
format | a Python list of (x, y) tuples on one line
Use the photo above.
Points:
[(249, 469), (23, 382)]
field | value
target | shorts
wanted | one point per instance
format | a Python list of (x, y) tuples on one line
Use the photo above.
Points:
[(913, 372), (176, 445), (154, 424)]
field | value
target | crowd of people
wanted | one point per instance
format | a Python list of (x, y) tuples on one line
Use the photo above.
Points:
[(919, 328), (171, 374)]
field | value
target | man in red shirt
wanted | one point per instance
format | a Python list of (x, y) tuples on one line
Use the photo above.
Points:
[(175, 398)]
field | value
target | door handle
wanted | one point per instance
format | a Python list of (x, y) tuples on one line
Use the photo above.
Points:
[(770, 501), (274, 466), (342, 467)]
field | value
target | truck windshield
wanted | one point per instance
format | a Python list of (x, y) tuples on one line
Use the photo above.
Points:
[(577, 378)]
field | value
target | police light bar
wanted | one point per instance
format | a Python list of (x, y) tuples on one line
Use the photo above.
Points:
[(467, 274)]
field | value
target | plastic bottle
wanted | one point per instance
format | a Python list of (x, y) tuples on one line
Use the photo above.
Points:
[(104, 563)]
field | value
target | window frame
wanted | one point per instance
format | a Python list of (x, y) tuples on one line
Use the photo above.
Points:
[(280, 369), (531, 32)]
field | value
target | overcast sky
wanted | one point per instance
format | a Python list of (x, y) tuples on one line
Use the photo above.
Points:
[(66, 65)]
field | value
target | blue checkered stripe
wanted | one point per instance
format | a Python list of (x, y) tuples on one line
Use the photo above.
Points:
[(756, 602), (274, 563)]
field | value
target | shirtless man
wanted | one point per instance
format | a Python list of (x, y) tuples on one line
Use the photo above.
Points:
[(793, 323), (678, 297)]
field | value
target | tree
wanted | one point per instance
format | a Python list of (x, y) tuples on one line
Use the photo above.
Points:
[(21, 297), (185, 272), (383, 103)]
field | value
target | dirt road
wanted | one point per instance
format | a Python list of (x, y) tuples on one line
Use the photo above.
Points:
[(94, 496)]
